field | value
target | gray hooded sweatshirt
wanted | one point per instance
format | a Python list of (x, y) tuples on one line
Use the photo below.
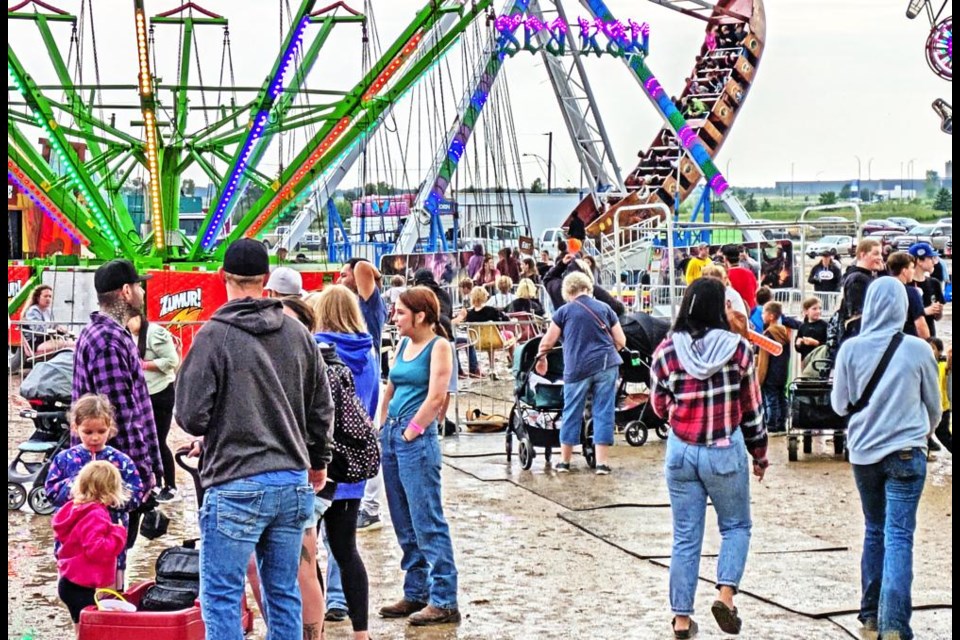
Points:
[(254, 385), (906, 404)]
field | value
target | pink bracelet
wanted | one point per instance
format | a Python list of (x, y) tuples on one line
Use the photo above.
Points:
[(413, 425)]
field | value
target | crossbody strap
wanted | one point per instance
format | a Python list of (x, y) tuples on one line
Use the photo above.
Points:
[(600, 321), (864, 400)]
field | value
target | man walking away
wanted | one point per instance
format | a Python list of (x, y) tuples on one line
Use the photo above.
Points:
[(254, 386)]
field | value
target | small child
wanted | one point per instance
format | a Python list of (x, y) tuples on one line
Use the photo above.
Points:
[(813, 332), (92, 419), (89, 542), (773, 371), (397, 287), (945, 365), (764, 295)]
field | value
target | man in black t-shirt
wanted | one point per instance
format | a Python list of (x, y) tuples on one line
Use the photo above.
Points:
[(902, 266), (931, 289)]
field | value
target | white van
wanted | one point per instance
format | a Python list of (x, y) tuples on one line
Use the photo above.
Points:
[(549, 237)]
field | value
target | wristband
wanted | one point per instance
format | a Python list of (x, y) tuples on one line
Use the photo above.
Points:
[(413, 425)]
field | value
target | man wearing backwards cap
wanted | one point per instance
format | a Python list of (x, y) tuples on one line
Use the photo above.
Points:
[(106, 361), (285, 281), (253, 385), (931, 289)]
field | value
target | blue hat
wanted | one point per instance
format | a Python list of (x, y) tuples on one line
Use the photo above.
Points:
[(921, 250)]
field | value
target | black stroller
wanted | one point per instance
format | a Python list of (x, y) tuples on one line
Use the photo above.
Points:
[(634, 413), (810, 410), (538, 407), (47, 388)]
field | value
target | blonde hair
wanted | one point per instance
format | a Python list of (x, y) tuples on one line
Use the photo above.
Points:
[(714, 271), (337, 310), (479, 296), (93, 406), (575, 284), (504, 284), (526, 288), (100, 481), (585, 267)]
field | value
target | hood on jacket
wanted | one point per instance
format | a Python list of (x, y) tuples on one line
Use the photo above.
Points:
[(885, 308), (779, 333), (253, 315), (70, 515), (704, 357), (353, 349)]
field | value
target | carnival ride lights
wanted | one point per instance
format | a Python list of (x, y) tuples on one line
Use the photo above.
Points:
[(67, 155), (393, 67), (150, 129), (940, 49), (255, 133), (51, 210)]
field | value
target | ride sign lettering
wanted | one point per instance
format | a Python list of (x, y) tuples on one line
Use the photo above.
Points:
[(593, 36)]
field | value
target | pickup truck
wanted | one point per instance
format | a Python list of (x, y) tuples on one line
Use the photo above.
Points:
[(271, 239), (936, 234)]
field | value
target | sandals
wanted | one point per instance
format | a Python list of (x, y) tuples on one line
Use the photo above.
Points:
[(727, 618), (687, 633), (478, 422)]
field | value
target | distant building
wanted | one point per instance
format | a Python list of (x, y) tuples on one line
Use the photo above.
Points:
[(881, 187)]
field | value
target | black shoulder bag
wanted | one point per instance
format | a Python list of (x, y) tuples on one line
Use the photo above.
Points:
[(861, 404)]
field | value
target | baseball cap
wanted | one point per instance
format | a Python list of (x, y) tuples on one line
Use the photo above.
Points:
[(826, 251), (112, 275), (246, 257), (286, 282), (921, 250)]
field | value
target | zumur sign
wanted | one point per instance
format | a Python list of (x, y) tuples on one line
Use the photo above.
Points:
[(622, 39)]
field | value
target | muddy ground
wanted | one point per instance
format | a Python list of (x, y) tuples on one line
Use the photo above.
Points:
[(580, 556)]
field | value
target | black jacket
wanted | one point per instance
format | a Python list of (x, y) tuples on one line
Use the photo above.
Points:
[(825, 279), (254, 385)]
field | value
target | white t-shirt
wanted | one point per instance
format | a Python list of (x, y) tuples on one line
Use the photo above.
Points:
[(735, 301)]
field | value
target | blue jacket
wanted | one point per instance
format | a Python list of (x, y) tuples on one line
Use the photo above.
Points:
[(905, 406)]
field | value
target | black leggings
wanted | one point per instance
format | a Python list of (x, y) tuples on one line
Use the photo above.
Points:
[(943, 432), (162, 402), (340, 521), (75, 597)]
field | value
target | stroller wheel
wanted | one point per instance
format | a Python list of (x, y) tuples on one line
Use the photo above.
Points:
[(792, 446), (839, 443), (636, 433), (586, 443), (526, 452), (663, 431), (16, 496), (39, 502)]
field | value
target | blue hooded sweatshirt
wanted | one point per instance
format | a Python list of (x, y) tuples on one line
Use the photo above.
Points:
[(356, 351), (905, 406)]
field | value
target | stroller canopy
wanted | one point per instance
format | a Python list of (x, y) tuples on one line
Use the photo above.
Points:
[(644, 332), (51, 379)]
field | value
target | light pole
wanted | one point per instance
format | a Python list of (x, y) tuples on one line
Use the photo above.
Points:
[(858, 174), (791, 180), (726, 172), (911, 167), (549, 135), (901, 181), (543, 162)]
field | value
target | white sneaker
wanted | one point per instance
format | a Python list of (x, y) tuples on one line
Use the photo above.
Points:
[(169, 494)]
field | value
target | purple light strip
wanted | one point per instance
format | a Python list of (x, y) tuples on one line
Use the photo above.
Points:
[(26, 189)]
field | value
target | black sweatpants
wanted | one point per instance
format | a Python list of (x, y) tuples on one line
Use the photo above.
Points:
[(75, 597), (943, 432), (340, 521)]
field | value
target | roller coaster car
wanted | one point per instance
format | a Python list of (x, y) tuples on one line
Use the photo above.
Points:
[(945, 111)]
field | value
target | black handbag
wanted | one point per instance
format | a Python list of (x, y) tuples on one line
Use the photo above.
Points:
[(154, 524), (178, 580)]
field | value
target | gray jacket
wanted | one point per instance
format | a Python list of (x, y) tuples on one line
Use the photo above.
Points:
[(254, 386)]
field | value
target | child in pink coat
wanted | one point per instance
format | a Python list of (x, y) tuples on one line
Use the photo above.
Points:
[(89, 543)]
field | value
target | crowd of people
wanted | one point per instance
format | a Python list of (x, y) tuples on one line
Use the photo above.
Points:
[(281, 390)]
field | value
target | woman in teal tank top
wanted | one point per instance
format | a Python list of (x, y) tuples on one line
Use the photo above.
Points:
[(410, 459)]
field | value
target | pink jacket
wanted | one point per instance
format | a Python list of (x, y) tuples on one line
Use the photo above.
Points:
[(90, 543)]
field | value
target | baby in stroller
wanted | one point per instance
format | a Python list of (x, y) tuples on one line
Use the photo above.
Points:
[(633, 413), (48, 389), (538, 407)]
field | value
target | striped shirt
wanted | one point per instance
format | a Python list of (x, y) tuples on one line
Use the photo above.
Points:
[(107, 362), (707, 411)]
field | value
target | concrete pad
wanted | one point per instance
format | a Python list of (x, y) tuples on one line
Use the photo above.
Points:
[(930, 624)]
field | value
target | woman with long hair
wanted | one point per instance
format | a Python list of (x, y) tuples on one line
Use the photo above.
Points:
[(410, 447), (704, 382), (38, 328)]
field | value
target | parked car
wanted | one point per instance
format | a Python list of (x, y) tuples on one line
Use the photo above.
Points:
[(271, 239), (906, 223), (835, 225), (311, 242), (887, 239), (840, 245), (549, 237), (871, 226), (948, 249), (935, 234)]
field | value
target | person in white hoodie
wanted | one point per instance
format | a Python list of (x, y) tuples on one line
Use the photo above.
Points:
[(887, 441)]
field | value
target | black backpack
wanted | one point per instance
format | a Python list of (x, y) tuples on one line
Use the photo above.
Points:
[(178, 580), (356, 451)]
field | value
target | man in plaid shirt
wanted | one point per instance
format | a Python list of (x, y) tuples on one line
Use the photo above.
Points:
[(107, 362)]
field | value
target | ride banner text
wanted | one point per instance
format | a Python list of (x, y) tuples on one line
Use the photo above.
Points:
[(622, 39)]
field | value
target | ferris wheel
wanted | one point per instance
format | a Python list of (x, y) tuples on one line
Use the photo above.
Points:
[(938, 50)]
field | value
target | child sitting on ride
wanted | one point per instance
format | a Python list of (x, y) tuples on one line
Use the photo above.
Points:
[(773, 371), (88, 542), (92, 420), (813, 332)]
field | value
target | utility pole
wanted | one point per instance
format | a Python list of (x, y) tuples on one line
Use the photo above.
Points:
[(549, 161)]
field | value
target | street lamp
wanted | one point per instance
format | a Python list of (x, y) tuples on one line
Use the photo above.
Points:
[(542, 162), (791, 180), (858, 174), (549, 135)]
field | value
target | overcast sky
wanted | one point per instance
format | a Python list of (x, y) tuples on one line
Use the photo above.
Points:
[(838, 78)]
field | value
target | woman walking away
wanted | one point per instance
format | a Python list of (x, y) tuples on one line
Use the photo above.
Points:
[(887, 440), (411, 463), (703, 381), (591, 331), (160, 359), (89, 542)]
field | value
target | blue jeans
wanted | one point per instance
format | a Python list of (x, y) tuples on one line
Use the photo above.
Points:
[(472, 359), (774, 408), (889, 492), (603, 386), (236, 519), (411, 476), (694, 473)]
